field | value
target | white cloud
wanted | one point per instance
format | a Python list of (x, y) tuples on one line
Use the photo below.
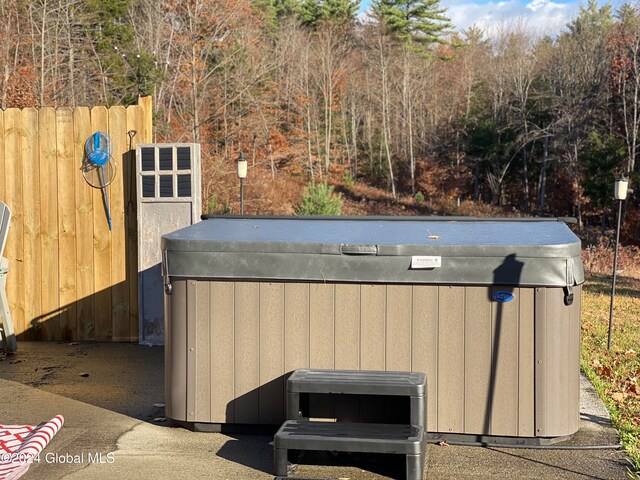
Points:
[(541, 16)]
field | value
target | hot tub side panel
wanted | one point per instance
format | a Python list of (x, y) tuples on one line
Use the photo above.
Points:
[(557, 354), (175, 352), (233, 343)]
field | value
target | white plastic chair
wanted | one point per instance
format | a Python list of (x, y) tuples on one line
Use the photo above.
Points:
[(6, 324)]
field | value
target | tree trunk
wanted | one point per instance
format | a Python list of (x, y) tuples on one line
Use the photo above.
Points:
[(328, 106), (308, 113), (407, 107), (385, 117), (42, 52), (345, 137), (354, 138), (543, 175), (577, 187), (411, 155), (525, 179), (457, 175), (309, 156), (195, 125)]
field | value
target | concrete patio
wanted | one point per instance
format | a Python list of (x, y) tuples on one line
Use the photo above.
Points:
[(111, 396)]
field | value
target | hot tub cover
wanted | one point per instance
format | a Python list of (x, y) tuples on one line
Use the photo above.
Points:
[(413, 250)]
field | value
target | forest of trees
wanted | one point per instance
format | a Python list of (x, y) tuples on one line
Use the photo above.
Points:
[(310, 91)]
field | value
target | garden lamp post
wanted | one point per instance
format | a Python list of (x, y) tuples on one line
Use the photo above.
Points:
[(620, 194), (242, 174)]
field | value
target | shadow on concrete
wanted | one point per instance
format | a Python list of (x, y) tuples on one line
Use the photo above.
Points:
[(254, 451), (595, 419), (343, 408), (561, 469)]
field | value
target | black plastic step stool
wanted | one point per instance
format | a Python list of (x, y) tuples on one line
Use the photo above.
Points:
[(407, 440), (299, 434), (359, 382)]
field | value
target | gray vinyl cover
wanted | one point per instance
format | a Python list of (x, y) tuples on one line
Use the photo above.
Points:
[(469, 252)]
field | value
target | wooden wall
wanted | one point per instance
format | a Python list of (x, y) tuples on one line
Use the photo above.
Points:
[(70, 277)]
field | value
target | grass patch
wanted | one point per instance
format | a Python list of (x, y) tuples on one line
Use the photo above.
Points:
[(615, 374)]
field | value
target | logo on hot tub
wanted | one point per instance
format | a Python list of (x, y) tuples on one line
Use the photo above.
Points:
[(503, 297)]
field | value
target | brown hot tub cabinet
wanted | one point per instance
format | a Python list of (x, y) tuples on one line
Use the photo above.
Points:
[(488, 309)]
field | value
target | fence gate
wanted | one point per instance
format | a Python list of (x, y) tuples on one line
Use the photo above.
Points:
[(169, 198)]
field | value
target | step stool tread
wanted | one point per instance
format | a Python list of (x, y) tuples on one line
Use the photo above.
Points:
[(359, 382), (350, 437)]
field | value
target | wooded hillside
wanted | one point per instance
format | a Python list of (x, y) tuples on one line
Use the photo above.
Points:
[(397, 105)]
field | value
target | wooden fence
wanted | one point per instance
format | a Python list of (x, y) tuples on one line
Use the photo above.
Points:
[(70, 277)]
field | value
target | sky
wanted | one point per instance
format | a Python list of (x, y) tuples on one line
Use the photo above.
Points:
[(544, 16)]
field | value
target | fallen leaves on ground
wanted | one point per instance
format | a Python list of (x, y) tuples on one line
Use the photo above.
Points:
[(618, 397), (604, 371), (616, 371)]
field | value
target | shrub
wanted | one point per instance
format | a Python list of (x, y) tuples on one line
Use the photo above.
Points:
[(420, 197), (213, 203), (347, 179), (319, 200)]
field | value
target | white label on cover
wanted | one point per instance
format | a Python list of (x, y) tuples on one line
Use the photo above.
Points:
[(426, 262)]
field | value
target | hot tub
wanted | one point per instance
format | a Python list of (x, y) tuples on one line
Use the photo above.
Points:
[(489, 309)]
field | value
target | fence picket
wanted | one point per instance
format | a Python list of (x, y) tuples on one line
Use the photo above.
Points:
[(14, 249), (47, 324), (85, 312), (66, 223), (32, 292), (120, 288)]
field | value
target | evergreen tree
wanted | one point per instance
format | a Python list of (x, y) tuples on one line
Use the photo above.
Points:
[(274, 10), (320, 199), (285, 8), (474, 36), (628, 16), (421, 21), (592, 19), (112, 27), (310, 12), (603, 156), (130, 72), (341, 12)]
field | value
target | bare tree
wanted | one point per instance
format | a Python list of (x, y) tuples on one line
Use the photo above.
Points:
[(626, 72), (578, 74), (330, 52), (9, 47), (381, 60)]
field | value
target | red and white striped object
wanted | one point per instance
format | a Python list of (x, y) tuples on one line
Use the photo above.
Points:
[(21, 444)]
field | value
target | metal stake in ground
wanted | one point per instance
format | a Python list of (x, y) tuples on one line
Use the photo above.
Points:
[(620, 194)]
